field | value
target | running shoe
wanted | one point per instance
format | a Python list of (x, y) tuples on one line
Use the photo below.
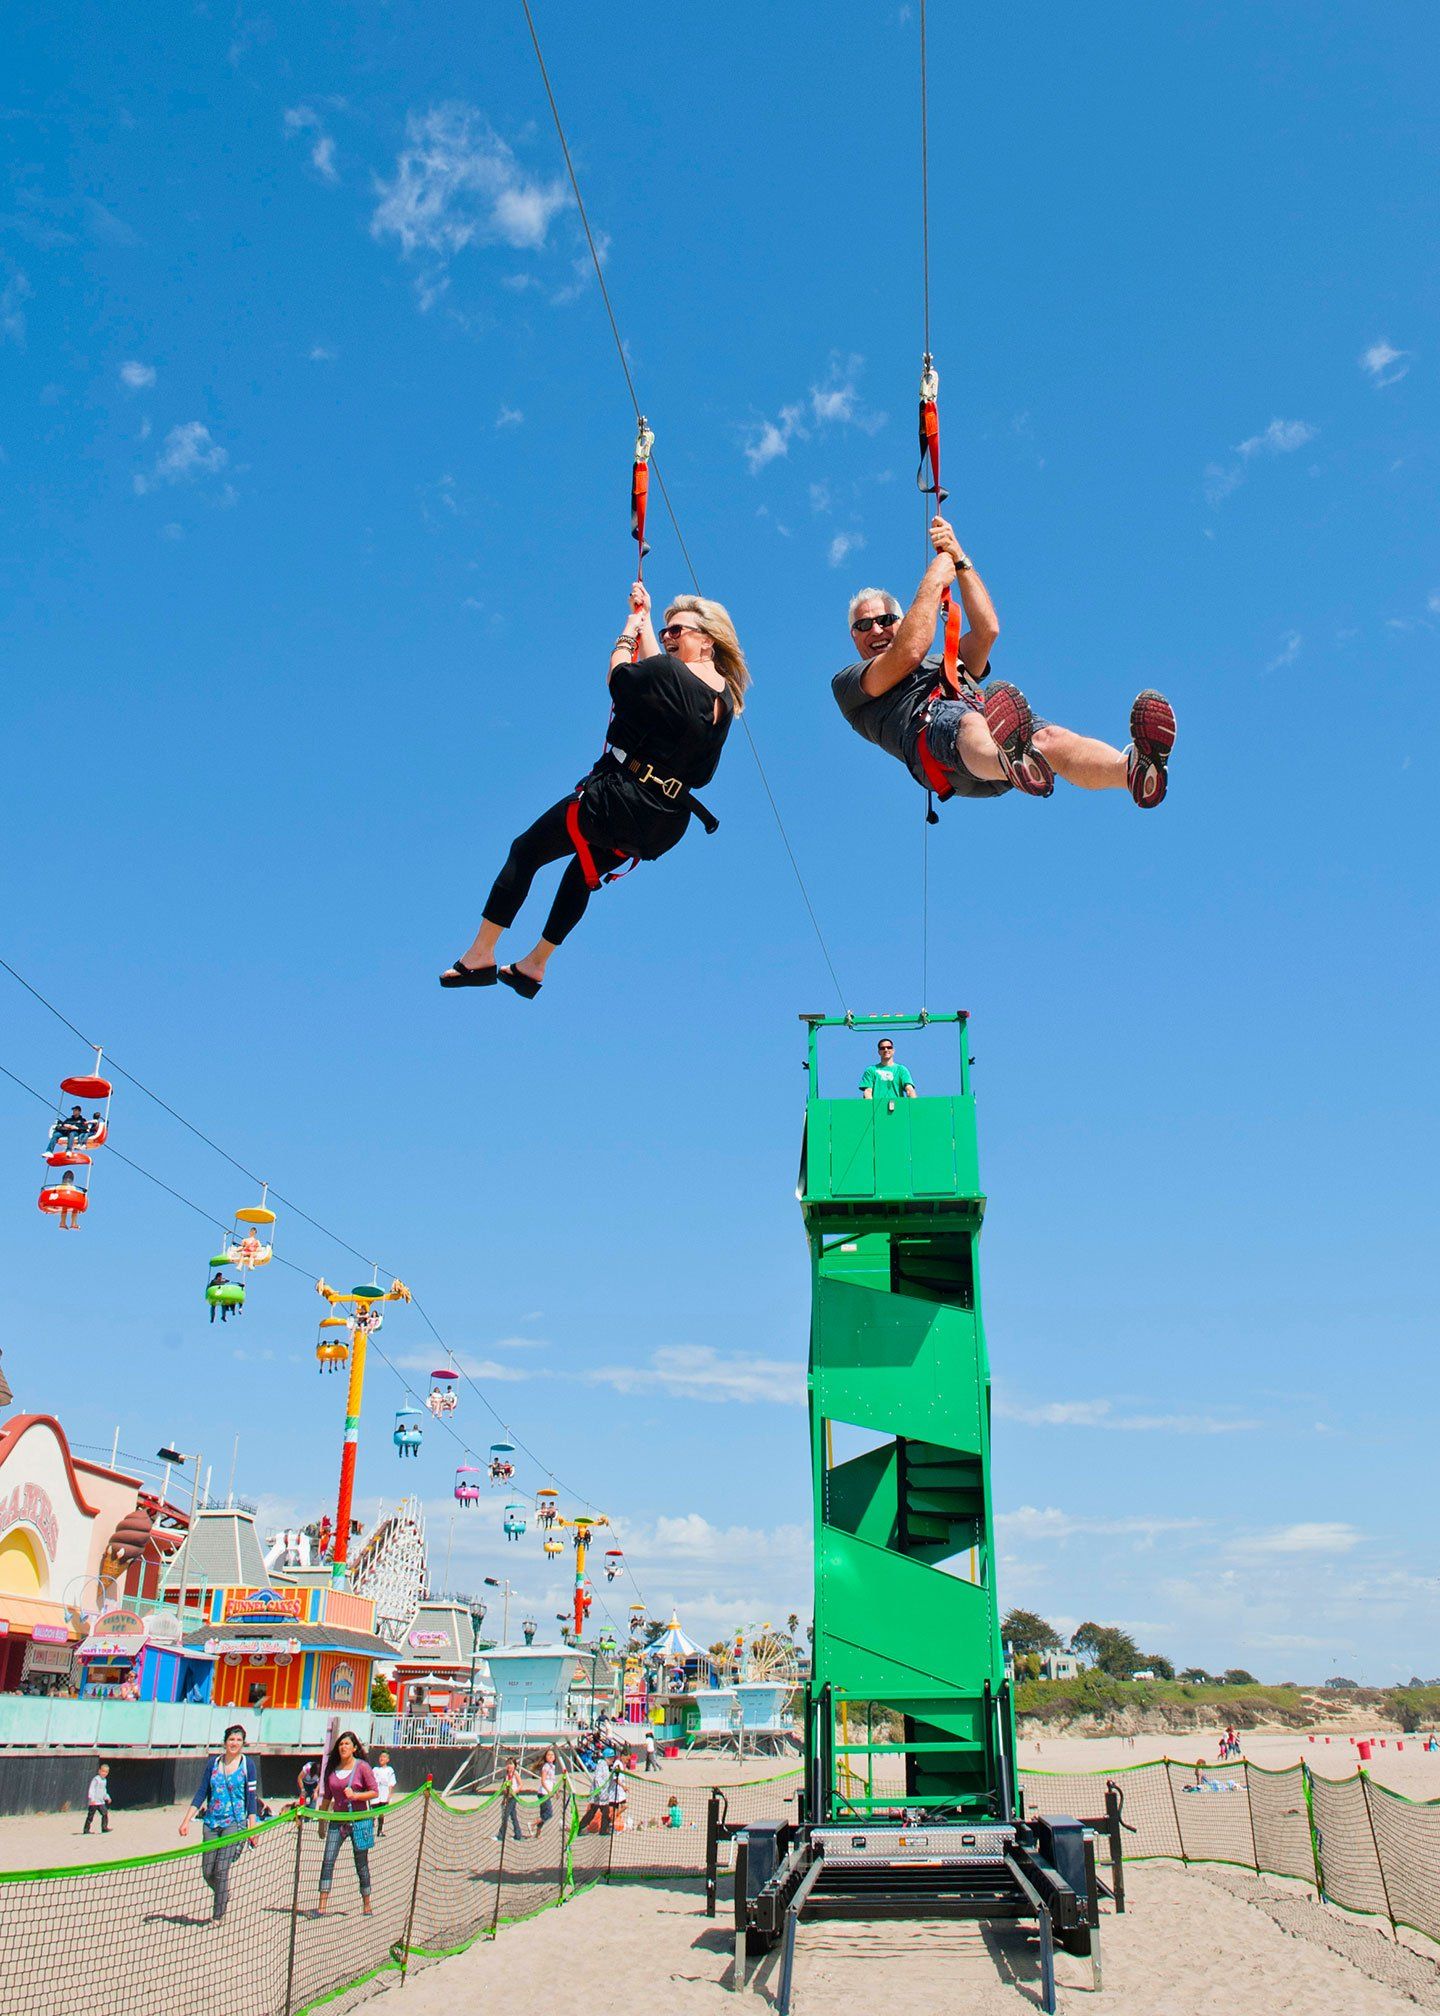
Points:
[(1152, 737), (1011, 725)]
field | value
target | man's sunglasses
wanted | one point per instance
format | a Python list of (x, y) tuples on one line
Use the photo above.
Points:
[(865, 623), (678, 630)]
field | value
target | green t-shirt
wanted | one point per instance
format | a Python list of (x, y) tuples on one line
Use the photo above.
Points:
[(885, 1081)]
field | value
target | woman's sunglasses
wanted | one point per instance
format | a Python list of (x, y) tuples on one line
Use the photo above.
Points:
[(677, 630), (885, 622)]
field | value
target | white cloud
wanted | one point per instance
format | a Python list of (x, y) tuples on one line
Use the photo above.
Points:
[(1381, 360), (843, 545), (699, 1372), (509, 416), (481, 1369), (1280, 437), (457, 183), (1316, 1536), (820, 498), (321, 353), (189, 451), (834, 402), (13, 296), (1433, 605), (137, 376), (172, 531), (1034, 1522), (1101, 1414), (1289, 651), (770, 439), (305, 119)]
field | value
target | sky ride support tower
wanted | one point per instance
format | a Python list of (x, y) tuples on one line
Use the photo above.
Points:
[(906, 1612)]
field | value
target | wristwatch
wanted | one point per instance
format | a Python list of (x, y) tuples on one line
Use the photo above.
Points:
[(964, 566)]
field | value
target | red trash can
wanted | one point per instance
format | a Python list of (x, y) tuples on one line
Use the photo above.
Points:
[(1365, 1749)]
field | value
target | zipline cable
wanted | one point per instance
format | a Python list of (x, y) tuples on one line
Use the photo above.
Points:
[(925, 272), (659, 476)]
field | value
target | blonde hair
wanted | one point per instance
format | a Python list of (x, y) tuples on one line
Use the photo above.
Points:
[(714, 619)]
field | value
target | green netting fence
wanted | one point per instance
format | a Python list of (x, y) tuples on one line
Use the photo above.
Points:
[(129, 1937), (1356, 1843)]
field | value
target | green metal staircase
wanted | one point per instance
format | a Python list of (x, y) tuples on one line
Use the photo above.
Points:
[(906, 1622)]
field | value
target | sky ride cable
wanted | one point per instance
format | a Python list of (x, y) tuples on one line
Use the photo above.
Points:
[(660, 479), (209, 1217)]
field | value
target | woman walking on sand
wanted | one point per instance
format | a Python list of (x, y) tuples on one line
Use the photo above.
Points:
[(229, 1797), (350, 1787)]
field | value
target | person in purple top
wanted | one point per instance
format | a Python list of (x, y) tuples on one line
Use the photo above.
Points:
[(349, 1787)]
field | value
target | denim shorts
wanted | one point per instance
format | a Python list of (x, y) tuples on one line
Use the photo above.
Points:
[(943, 734)]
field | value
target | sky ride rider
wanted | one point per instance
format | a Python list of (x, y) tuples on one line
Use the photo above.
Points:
[(70, 1130), (958, 742), (217, 1280), (69, 1212), (672, 709), (887, 1079)]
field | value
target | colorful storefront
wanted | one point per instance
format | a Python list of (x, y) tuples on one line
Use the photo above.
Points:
[(135, 1655), (293, 1648)]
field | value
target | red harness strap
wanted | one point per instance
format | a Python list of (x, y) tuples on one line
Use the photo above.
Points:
[(584, 853), (948, 685)]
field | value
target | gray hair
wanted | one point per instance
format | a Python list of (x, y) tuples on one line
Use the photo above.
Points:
[(873, 595)]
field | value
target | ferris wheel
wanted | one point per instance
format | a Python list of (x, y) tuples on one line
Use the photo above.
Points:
[(768, 1654)]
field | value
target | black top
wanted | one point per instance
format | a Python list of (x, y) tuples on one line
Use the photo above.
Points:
[(665, 716)]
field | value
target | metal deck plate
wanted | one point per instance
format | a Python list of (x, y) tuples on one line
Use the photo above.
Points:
[(868, 1847)]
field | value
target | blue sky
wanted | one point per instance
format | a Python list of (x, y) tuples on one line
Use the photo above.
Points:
[(314, 458)]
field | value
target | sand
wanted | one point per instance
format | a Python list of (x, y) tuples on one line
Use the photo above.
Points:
[(1193, 1941), (1185, 1947)]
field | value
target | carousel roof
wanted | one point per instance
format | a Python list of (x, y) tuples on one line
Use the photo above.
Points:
[(672, 1642)]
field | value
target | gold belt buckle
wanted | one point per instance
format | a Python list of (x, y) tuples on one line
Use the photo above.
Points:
[(671, 786)]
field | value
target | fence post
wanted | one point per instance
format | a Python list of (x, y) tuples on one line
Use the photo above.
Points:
[(294, 1918), (1384, 1886), (1175, 1810), (567, 1864), (1315, 1845), (610, 1858), (500, 1871), (425, 1791), (1250, 1811)]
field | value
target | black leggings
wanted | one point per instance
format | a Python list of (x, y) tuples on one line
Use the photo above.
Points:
[(547, 840)]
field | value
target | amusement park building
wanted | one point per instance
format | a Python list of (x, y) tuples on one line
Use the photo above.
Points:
[(66, 1525)]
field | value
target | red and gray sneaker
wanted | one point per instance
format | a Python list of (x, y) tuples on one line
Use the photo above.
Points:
[(1152, 737), (1011, 725)]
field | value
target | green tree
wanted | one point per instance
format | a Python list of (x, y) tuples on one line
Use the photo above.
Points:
[(1159, 1665), (1024, 1632), (1197, 1676), (1107, 1647), (1236, 1676), (382, 1701)]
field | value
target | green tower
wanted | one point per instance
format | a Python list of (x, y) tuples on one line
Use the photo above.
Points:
[(906, 1618)]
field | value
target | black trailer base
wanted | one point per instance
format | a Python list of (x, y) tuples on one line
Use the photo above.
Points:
[(1040, 1870)]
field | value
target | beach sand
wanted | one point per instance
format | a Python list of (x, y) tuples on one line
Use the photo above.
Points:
[(1194, 1941), (1185, 1947)]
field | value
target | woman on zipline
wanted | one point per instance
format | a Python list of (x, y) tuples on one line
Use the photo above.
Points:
[(958, 742), (671, 710)]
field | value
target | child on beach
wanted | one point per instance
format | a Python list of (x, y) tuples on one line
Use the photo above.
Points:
[(97, 1800)]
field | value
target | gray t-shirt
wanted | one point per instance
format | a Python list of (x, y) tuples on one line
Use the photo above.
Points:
[(892, 720)]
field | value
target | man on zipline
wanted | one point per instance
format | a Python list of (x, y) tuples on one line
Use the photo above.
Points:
[(956, 741)]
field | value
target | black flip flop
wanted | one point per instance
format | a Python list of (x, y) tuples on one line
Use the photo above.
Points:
[(468, 976), (521, 983)]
